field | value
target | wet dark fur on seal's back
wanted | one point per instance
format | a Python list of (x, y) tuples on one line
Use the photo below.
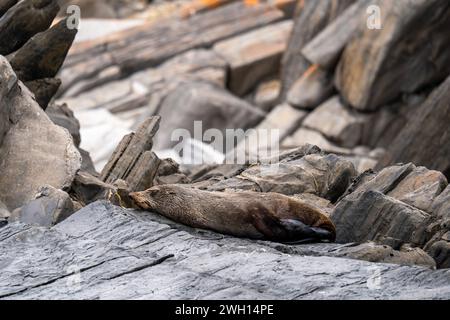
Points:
[(253, 215)]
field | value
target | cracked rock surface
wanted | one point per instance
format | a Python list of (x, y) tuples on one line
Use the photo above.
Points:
[(150, 257)]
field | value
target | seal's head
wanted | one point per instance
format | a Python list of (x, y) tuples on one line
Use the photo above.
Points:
[(164, 197)]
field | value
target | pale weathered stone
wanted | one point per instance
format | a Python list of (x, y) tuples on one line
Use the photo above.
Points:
[(420, 188), (129, 254), (338, 123), (33, 150), (49, 207)]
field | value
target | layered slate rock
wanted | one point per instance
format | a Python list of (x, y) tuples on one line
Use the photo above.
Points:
[(424, 139), (326, 176), (373, 216), (15, 26), (29, 143), (314, 16), (377, 65), (143, 47), (140, 258), (254, 55), (133, 161)]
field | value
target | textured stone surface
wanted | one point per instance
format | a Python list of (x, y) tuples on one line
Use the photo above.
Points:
[(326, 176), (420, 188), (49, 207), (254, 55), (373, 216), (377, 65), (33, 150), (105, 252), (338, 123)]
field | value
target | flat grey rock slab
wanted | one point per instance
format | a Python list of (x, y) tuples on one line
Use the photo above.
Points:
[(106, 252)]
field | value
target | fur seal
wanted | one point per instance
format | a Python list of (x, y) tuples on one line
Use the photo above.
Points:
[(269, 216)]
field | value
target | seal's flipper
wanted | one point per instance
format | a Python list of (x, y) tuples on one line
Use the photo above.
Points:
[(298, 232)]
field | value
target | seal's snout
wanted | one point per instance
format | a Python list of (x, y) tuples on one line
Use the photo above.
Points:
[(140, 200)]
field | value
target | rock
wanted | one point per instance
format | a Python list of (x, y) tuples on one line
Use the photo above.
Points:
[(44, 90), (133, 161), (5, 5), (169, 173), (30, 141), (15, 26), (440, 251), (87, 188), (266, 94), (143, 47), (254, 55), (198, 101), (303, 136), (43, 55), (62, 116), (311, 89), (326, 176), (373, 216), (4, 212), (313, 17), (423, 140), (420, 188), (149, 257), (50, 206), (325, 49), (339, 124), (395, 53), (441, 204)]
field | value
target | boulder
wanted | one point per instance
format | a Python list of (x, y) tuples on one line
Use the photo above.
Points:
[(63, 116), (43, 55), (107, 252), (30, 142), (49, 207), (199, 101), (15, 26), (440, 251), (311, 89), (338, 123), (326, 176), (424, 139), (420, 188), (395, 52), (441, 205), (254, 55), (313, 17), (5, 5), (4, 213), (371, 215), (43, 90), (133, 161)]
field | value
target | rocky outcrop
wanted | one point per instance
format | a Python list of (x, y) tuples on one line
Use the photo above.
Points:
[(30, 141), (140, 258)]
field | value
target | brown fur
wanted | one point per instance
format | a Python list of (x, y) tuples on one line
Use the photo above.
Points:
[(242, 214)]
